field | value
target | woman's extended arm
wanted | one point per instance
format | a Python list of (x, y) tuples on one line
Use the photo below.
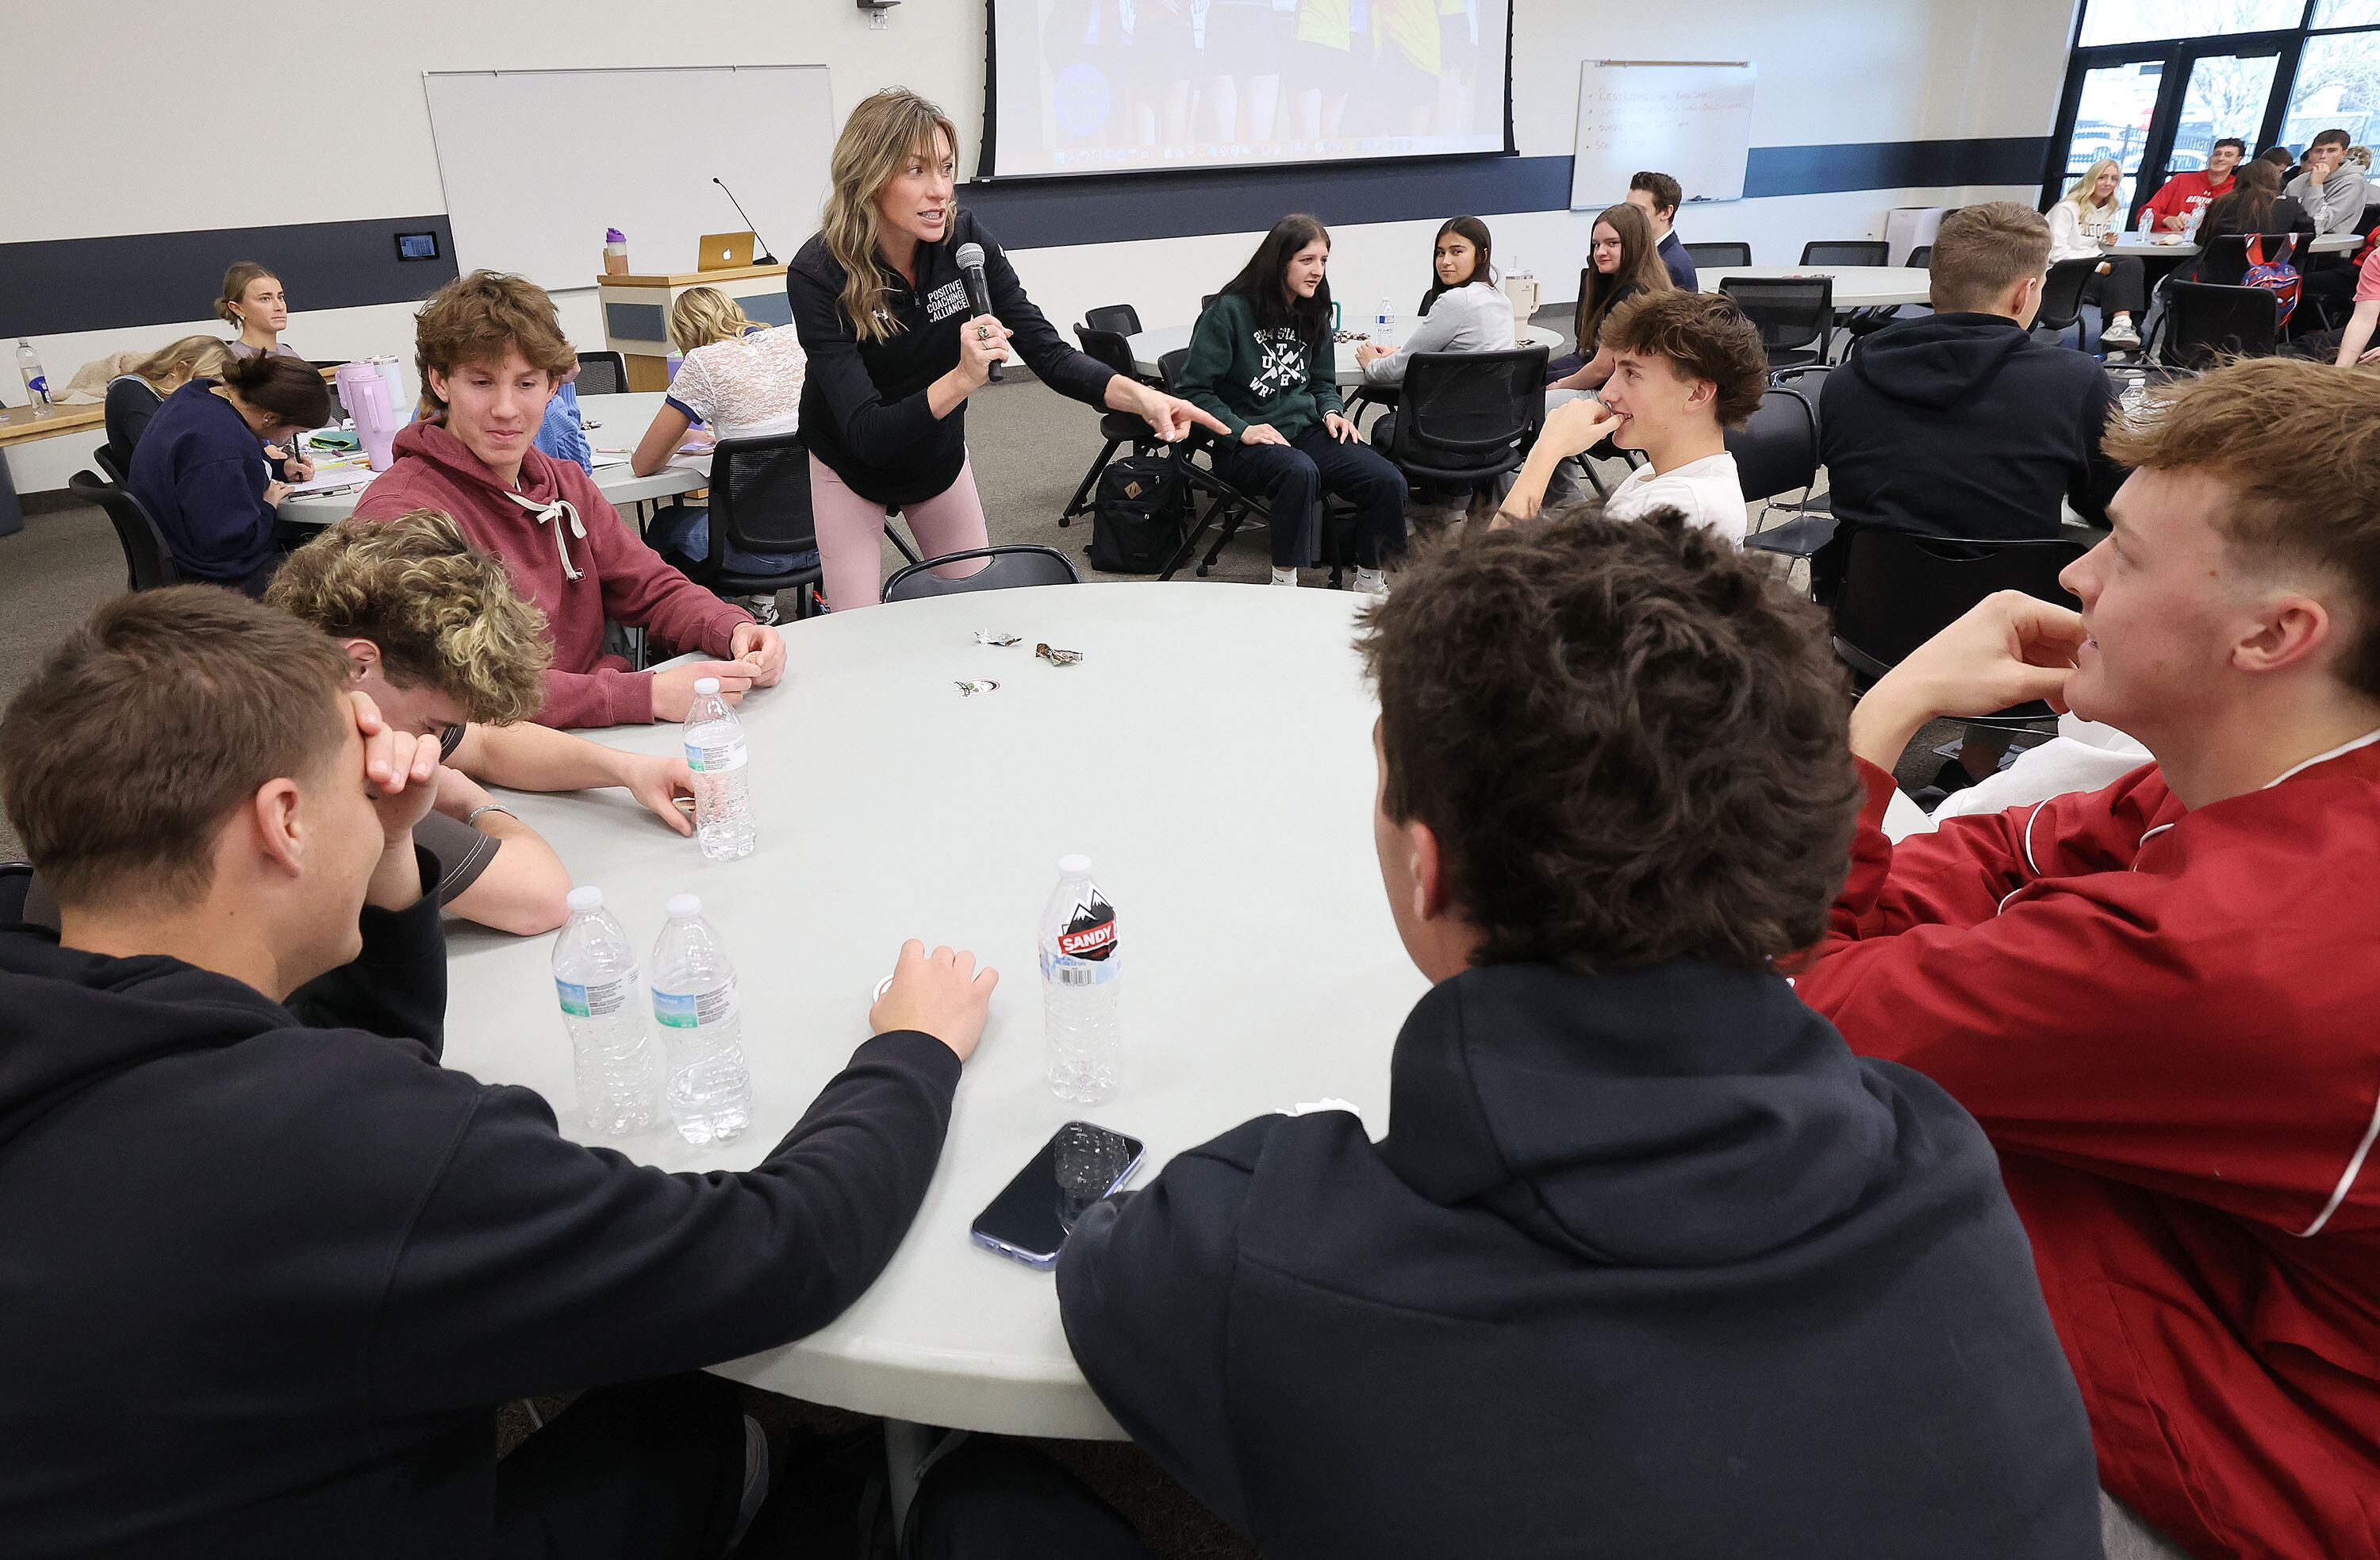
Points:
[(661, 440)]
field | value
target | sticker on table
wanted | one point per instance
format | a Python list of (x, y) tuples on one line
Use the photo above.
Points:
[(978, 685), (1058, 657), (1000, 641)]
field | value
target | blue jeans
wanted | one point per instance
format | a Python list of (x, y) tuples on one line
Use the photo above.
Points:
[(682, 536)]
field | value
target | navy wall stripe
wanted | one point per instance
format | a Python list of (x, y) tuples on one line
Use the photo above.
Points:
[(149, 278), (102, 284)]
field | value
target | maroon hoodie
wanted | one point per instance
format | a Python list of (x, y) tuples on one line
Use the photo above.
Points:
[(571, 553)]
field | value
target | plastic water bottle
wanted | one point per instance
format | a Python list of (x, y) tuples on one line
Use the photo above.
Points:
[(612, 1051), (37, 383), (1078, 986), (710, 1090), (1384, 325), (715, 752)]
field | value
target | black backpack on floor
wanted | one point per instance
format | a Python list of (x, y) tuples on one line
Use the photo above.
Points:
[(1139, 515)]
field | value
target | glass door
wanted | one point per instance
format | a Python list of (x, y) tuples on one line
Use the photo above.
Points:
[(2226, 95), (2113, 111), (2158, 108)]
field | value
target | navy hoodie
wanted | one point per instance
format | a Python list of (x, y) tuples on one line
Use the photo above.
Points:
[(1648, 1265), (199, 469), (1964, 425), (267, 1275)]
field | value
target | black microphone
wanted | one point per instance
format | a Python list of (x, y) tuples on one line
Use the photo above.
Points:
[(765, 258), (971, 258)]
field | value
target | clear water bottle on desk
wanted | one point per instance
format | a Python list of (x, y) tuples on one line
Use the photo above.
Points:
[(1384, 325), (611, 1046), (715, 752), (37, 381), (710, 1090), (1078, 986)]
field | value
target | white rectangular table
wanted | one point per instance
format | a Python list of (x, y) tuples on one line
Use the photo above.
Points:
[(615, 423)]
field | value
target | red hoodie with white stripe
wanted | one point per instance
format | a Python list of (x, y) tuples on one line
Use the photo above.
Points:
[(570, 552), (2168, 1022)]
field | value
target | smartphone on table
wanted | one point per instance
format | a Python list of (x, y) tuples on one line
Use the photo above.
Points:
[(1080, 1164)]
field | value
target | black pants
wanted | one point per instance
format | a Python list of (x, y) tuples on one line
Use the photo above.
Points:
[(1294, 477), (2122, 290), (652, 1471), (992, 1499)]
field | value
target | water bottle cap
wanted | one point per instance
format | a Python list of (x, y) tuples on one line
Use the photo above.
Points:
[(705, 685), (684, 906), (1073, 866), (586, 897)]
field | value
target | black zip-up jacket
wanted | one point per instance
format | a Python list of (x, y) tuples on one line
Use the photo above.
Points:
[(266, 1275), (864, 410), (1648, 1266), (1964, 425)]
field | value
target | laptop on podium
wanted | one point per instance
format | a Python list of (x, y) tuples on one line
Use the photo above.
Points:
[(725, 251)]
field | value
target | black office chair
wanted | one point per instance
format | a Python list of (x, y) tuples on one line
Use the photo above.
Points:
[(1120, 318), (106, 461), (148, 562), (1921, 258), (603, 374), (1116, 428), (761, 503), (1466, 418), (1795, 314), (1776, 450), (1899, 589), (2061, 300), (1865, 322), (2224, 261), (1847, 251), (1718, 257), (1010, 567), (2204, 323)]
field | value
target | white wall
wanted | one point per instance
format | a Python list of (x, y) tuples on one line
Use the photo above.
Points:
[(1841, 71)]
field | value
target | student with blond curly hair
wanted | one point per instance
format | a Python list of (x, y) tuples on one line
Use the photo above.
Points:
[(440, 641)]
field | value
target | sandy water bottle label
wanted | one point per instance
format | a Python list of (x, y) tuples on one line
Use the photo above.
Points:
[(1087, 943), (692, 1010), (597, 1001), (714, 758)]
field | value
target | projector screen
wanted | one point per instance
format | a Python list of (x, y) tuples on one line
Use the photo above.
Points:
[(1124, 86)]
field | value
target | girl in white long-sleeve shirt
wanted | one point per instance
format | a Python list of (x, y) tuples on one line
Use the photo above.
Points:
[(2082, 227), (1463, 312)]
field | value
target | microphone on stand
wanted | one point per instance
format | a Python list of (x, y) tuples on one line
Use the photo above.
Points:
[(765, 258), (970, 260)]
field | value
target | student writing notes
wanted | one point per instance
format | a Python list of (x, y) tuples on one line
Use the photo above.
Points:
[(201, 466)]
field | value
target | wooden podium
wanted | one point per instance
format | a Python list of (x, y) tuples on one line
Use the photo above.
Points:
[(636, 312)]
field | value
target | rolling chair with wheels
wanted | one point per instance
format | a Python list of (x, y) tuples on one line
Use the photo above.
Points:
[(1795, 315), (1007, 568), (1468, 418), (148, 562), (761, 503), (107, 467)]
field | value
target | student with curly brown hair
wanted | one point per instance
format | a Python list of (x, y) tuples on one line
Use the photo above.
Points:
[(1646, 1250), (1686, 367)]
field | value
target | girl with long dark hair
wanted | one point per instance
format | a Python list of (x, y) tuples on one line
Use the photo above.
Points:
[(1262, 359), (1623, 258), (1463, 310)]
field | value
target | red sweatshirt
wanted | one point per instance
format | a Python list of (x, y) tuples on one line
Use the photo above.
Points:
[(579, 573), (2168, 1022), (2185, 193)]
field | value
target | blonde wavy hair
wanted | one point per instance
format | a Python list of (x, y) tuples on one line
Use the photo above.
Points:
[(178, 362), (441, 613), (882, 134), (703, 315), (2079, 193)]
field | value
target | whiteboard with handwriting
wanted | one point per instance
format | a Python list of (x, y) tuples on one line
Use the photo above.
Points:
[(1690, 121)]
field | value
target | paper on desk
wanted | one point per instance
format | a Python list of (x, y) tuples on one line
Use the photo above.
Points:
[(336, 481)]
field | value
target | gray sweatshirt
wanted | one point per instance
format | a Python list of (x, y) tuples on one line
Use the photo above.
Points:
[(2336, 204), (1475, 317)]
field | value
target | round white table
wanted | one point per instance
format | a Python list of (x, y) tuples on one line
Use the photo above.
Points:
[(1150, 345), (1856, 286), (616, 423), (1212, 755)]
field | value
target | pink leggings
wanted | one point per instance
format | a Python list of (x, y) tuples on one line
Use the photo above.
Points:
[(851, 533)]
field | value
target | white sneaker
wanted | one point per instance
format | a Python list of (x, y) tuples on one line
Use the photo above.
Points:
[(1371, 582), (2120, 333), (1285, 576)]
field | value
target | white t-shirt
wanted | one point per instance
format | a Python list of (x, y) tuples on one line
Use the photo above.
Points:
[(746, 389), (1707, 492)]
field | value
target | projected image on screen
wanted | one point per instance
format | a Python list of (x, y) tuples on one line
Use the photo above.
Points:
[(1105, 86)]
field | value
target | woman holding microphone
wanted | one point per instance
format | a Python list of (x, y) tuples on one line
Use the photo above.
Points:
[(896, 348)]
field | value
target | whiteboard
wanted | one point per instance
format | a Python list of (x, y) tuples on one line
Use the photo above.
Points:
[(1690, 121), (537, 163)]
